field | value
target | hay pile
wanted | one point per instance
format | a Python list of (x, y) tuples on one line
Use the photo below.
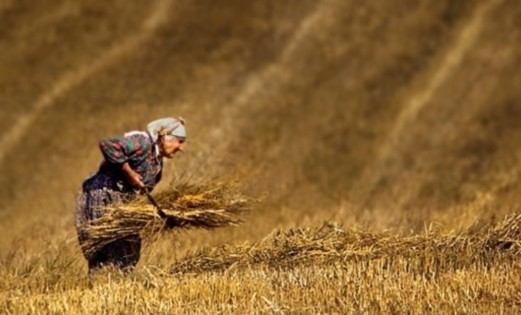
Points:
[(429, 253), (185, 206)]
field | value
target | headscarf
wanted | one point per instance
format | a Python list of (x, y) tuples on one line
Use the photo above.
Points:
[(170, 126)]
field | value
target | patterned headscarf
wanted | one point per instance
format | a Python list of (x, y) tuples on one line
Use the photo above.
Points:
[(171, 126)]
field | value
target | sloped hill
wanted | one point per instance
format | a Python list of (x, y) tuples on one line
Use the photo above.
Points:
[(401, 112)]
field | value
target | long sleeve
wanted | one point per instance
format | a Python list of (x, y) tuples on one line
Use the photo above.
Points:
[(119, 150), (137, 149), (113, 150)]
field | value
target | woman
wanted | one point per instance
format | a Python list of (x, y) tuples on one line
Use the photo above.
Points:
[(131, 163)]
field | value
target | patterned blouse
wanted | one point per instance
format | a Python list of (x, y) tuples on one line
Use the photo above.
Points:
[(136, 148)]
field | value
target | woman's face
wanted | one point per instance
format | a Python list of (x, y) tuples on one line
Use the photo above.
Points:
[(170, 145)]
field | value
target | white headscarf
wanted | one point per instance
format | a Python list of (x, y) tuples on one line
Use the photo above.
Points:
[(171, 126)]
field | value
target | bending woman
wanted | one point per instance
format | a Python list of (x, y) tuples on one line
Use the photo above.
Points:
[(131, 163)]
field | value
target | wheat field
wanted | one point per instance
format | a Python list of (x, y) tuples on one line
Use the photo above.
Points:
[(379, 140)]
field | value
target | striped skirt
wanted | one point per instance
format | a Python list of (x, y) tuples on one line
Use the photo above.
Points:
[(98, 191)]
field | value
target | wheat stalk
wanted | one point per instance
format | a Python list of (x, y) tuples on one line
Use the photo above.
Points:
[(185, 205)]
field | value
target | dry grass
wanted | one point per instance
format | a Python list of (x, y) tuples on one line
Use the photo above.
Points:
[(328, 269), (428, 253)]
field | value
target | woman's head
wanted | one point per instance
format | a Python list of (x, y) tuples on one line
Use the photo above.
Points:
[(169, 134)]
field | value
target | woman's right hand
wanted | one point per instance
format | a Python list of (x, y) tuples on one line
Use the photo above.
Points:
[(132, 176)]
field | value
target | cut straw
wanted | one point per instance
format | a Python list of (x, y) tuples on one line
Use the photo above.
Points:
[(187, 205)]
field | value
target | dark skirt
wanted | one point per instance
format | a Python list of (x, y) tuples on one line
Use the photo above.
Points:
[(98, 191)]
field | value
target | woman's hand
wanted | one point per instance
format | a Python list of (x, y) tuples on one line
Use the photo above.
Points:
[(132, 176)]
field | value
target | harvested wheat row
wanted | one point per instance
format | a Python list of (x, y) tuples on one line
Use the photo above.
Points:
[(185, 206), (428, 253)]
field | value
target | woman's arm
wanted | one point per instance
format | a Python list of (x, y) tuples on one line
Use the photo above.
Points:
[(117, 151), (132, 176)]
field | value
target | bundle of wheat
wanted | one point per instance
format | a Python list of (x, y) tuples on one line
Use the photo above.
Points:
[(184, 206)]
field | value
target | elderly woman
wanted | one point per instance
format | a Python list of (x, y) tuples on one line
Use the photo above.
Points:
[(131, 163)]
